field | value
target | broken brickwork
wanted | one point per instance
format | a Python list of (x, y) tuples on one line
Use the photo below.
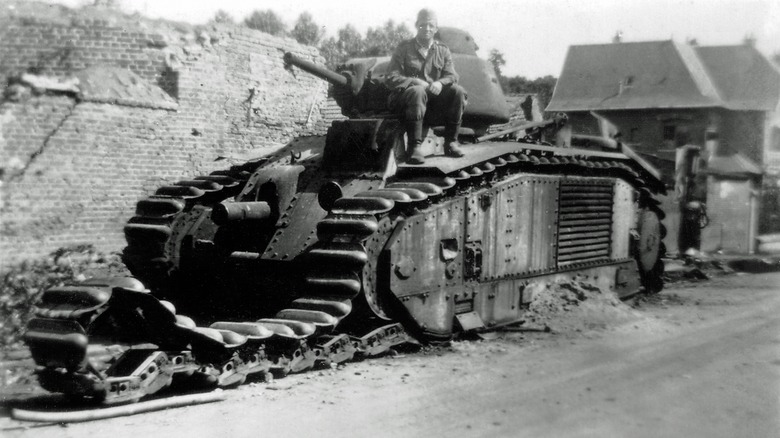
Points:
[(100, 109)]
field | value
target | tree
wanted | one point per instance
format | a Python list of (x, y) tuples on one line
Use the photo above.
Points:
[(266, 21), (348, 45), (221, 16), (776, 58), (497, 59), (108, 4), (350, 41), (306, 31), (329, 49), (382, 41)]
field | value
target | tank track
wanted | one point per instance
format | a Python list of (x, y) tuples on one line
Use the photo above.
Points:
[(80, 333), (129, 345), (151, 229), (169, 350)]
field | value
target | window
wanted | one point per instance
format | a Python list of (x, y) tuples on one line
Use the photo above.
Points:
[(626, 83), (669, 132), (633, 135)]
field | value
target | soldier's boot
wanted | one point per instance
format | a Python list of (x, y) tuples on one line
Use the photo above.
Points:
[(414, 142), (451, 145)]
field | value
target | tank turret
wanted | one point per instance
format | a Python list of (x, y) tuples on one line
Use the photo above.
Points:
[(356, 90), (359, 84)]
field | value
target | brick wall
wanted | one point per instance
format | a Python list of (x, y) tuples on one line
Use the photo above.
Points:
[(72, 169), (58, 48)]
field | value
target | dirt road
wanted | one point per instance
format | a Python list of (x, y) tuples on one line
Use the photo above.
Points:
[(698, 360)]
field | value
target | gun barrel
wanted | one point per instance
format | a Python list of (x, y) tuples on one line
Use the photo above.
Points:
[(514, 129), (317, 70), (238, 211)]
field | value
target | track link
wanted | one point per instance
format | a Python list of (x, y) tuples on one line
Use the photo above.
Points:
[(150, 231)]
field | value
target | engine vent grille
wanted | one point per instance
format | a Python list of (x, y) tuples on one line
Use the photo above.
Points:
[(585, 221)]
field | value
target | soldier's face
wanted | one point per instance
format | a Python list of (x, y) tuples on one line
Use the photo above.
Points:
[(426, 29)]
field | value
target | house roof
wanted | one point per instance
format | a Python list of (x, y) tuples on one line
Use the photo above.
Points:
[(733, 164), (664, 74), (745, 79)]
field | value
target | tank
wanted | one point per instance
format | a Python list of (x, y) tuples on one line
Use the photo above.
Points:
[(334, 247)]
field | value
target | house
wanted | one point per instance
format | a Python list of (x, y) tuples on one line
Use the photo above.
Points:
[(706, 116)]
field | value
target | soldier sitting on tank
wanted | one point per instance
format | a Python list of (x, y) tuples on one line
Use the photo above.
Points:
[(423, 88)]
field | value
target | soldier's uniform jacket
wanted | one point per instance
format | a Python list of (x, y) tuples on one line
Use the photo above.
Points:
[(408, 62)]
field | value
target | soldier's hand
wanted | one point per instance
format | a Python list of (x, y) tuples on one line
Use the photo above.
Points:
[(420, 82), (435, 88)]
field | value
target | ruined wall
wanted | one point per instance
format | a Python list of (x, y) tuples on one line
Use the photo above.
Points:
[(73, 164), (743, 131)]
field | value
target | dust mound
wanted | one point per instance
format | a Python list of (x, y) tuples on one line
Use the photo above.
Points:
[(577, 306)]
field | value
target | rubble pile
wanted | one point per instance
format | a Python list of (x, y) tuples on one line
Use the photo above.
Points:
[(574, 307)]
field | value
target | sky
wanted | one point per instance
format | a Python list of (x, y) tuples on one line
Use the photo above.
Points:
[(533, 35)]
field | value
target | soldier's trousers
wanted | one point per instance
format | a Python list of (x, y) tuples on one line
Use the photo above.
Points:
[(416, 104)]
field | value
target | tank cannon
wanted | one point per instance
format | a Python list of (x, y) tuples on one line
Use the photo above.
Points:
[(358, 93)]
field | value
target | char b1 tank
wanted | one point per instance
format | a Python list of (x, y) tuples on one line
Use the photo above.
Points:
[(333, 246)]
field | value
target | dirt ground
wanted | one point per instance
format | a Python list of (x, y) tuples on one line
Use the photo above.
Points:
[(697, 360)]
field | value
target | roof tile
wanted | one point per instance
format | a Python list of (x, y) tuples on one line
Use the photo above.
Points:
[(664, 74)]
